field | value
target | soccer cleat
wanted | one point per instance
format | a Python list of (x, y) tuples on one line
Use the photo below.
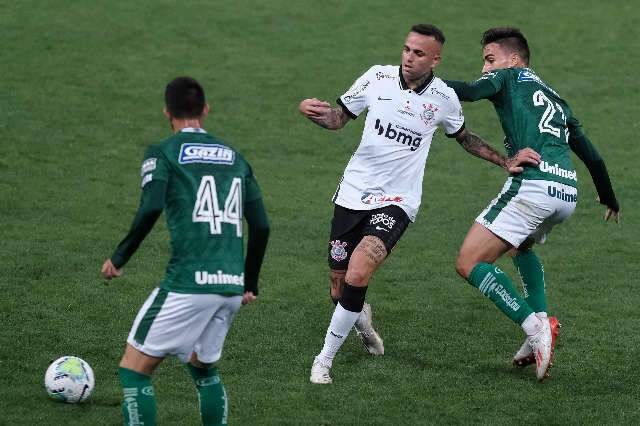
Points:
[(320, 373), (541, 345), (369, 336), (525, 357)]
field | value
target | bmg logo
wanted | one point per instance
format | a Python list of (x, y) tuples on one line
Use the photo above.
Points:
[(395, 134)]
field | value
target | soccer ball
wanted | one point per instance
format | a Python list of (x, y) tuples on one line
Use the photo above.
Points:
[(69, 379)]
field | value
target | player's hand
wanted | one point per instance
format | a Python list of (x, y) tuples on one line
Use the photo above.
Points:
[(248, 297), (109, 271), (611, 214), (314, 108), (524, 156)]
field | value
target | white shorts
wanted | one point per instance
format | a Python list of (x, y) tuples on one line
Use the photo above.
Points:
[(179, 324), (528, 209)]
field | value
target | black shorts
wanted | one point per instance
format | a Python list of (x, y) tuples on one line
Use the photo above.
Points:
[(349, 226)]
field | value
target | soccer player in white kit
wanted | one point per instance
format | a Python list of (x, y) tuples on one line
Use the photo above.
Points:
[(381, 189)]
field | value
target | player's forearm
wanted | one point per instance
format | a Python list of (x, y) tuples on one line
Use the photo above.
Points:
[(588, 154), (332, 119), (475, 145), (470, 92), (151, 205), (258, 221)]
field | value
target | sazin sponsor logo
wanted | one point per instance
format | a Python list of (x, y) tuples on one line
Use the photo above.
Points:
[(558, 171), (561, 195), (205, 153), (204, 277), (395, 134)]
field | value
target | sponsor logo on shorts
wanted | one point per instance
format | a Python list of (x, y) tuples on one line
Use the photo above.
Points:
[(558, 171), (208, 381), (560, 194), (205, 153), (148, 165), (400, 134), (204, 278), (372, 198), (338, 251), (383, 219)]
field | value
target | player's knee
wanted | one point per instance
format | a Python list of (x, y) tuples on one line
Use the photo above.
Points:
[(358, 275), (464, 266)]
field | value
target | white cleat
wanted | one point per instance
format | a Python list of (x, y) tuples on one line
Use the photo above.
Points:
[(369, 336), (541, 346), (525, 356), (320, 373)]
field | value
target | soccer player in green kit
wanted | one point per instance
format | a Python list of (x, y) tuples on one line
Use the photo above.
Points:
[(207, 190), (534, 116)]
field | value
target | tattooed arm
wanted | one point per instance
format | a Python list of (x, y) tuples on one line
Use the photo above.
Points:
[(323, 115), (474, 145)]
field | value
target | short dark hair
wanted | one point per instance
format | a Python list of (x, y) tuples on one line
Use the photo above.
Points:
[(184, 98), (429, 30), (509, 38)]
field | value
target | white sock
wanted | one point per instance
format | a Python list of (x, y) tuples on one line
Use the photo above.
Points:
[(541, 314), (341, 323), (531, 324)]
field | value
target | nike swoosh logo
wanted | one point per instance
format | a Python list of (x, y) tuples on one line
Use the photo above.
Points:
[(384, 99), (382, 229)]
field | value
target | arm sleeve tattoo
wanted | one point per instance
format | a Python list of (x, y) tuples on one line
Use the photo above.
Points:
[(474, 144), (333, 119)]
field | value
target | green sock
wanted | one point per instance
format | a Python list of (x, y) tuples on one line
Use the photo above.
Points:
[(139, 403), (497, 286), (532, 274), (211, 395)]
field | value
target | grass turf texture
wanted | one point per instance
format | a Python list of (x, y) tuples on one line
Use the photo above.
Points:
[(81, 98)]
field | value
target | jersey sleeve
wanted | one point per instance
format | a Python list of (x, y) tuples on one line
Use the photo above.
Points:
[(453, 120), (252, 189), (356, 99), (589, 155), (154, 167), (485, 87)]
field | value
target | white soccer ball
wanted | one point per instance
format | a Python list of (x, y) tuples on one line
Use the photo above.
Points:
[(69, 379)]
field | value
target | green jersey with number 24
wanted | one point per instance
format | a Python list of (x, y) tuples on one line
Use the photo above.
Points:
[(533, 115), (208, 183)]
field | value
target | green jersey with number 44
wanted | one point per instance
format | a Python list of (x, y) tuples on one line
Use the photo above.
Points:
[(207, 185), (533, 115)]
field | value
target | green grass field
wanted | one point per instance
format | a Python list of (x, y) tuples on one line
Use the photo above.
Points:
[(81, 97)]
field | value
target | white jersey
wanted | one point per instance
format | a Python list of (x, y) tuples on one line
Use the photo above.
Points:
[(388, 166)]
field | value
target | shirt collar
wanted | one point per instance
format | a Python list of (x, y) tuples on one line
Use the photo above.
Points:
[(419, 89), (192, 130)]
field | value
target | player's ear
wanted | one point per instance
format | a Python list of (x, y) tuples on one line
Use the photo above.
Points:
[(205, 110), (514, 60), (166, 113), (436, 61)]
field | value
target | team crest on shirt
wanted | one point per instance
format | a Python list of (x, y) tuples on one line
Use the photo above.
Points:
[(428, 114), (338, 251)]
